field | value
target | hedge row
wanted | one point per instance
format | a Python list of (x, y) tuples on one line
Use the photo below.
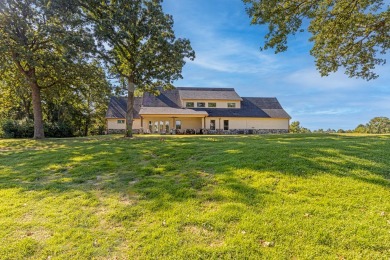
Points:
[(25, 129)]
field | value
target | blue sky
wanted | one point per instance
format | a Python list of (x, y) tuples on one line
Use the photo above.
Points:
[(228, 55)]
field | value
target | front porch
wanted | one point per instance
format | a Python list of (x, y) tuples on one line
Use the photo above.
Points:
[(173, 124)]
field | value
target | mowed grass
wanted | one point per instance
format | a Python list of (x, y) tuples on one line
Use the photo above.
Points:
[(196, 197)]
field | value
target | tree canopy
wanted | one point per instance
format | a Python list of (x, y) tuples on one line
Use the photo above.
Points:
[(353, 34), (43, 42), (137, 41)]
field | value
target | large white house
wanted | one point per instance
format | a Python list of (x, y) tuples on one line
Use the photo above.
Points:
[(199, 110)]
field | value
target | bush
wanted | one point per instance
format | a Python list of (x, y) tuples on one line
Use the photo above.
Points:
[(18, 129), (58, 130), (25, 129)]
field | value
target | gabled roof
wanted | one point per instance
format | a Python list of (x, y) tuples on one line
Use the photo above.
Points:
[(167, 98), (117, 107), (209, 93), (168, 102)]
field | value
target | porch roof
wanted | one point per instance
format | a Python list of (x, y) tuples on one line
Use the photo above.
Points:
[(170, 111)]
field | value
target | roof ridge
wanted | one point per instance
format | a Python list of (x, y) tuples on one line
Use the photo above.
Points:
[(204, 89)]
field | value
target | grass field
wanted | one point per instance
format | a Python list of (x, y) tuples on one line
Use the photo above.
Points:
[(196, 197)]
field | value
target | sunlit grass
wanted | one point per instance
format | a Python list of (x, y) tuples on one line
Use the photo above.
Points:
[(196, 197)]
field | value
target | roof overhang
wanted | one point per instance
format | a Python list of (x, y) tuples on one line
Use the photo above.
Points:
[(171, 112)]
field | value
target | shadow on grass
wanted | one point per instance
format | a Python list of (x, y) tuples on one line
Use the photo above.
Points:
[(178, 169)]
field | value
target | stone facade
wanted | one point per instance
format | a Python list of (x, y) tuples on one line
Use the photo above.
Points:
[(245, 131), (122, 131), (212, 132)]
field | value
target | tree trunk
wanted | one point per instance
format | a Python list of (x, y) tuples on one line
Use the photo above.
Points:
[(37, 109), (130, 107)]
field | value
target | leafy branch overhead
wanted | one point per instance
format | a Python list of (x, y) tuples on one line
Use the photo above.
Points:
[(351, 34)]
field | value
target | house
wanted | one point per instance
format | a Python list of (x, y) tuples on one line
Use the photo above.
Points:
[(199, 110)]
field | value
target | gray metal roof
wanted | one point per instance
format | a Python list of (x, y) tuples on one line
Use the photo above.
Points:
[(117, 107), (209, 93), (168, 102), (167, 98)]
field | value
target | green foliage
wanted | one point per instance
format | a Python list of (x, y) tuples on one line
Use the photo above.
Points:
[(379, 125), (196, 197), (295, 127), (25, 129), (136, 40), (18, 129), (345, 33), (43, 44)]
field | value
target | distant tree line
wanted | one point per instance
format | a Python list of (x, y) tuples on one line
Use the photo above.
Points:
[(377, 125)]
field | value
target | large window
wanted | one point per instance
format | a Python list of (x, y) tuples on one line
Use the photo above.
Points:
[(225, 124), (212, 124), (190, 104), (121, 121), (178, 124), (231, 104), (201, 104), (212, 104)]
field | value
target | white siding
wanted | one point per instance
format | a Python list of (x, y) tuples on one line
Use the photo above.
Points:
[(112, 123)]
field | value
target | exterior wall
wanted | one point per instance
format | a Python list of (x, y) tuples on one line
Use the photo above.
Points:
[(186, 123), (114, 128), (236, 125), (220, 103), (249, 123)]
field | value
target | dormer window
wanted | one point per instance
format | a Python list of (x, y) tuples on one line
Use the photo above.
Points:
[(190, 104), (201, 104), (212, 104), (231, 105)]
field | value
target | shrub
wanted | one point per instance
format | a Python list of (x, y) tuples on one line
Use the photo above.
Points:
[(25, 129), (18, 129)]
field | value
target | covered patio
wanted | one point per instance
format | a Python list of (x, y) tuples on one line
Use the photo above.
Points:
[(165, 120)]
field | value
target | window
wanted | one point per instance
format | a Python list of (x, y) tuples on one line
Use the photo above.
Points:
[(178, 124), (212, 124), (225, 124), (150, 126), (121, 121), (212, 104), (201, 104), (190, 104), (231, 104)]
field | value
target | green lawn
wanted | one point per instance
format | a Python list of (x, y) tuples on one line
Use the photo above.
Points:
[(196, 197)]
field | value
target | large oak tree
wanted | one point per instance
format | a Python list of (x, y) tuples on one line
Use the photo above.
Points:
[(353, 34), (137, 41), (40, 40)]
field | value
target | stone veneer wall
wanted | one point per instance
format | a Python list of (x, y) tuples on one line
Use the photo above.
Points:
[(122, 131), (217, 132), (245, 131)]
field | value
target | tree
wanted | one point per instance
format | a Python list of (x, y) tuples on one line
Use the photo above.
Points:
[(379, 125), (40, 41), (346, 33), (137, 41), (295, 127), (360, 129)]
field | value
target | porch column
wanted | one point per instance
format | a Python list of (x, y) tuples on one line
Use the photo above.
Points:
[(142, 122)]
